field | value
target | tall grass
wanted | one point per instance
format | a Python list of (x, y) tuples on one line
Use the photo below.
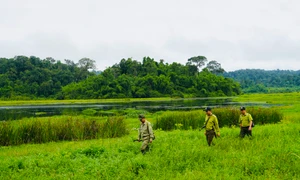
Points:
[(42, 130), (187, 120), (226, 117)]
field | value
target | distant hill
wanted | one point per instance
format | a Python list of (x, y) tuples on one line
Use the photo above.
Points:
[(259, 80)]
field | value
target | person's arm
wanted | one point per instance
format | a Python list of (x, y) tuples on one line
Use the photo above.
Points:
[(250, 126), (251, 121), (150, 131), (240, 121), (217, 126)]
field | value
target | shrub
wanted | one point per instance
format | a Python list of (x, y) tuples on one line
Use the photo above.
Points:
[(89, 112)]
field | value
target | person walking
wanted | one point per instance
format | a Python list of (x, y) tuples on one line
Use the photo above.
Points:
[(145, 133), (245, 122), (211, 125)]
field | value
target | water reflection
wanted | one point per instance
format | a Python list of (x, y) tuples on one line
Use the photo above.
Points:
[(18, 112)]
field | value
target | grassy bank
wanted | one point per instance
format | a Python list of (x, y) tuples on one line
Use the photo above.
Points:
[(269, 98), (79, 101), (273, 98)]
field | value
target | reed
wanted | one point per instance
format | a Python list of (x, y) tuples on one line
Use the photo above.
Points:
[(65, 128), (226, 117)]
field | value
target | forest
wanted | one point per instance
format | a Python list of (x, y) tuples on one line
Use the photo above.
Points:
[(24, 77), (259, 80)]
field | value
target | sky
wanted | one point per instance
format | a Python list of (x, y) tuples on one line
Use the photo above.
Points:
[(239, 34)]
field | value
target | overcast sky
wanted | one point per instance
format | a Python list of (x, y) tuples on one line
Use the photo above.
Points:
[(239, 34)]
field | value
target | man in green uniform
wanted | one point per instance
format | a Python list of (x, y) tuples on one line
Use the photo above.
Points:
[(211, 126), (245, 122), (145, 133)]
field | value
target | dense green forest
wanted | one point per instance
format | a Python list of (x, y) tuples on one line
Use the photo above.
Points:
[(258, 80), (149, 78), (24, 77)]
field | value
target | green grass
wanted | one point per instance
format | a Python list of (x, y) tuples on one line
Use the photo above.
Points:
[(273, 98), (272, 153), (79, 101)]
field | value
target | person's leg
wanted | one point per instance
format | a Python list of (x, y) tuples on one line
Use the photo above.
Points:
[(144, 145), (249, 133), (206, 137), (147, 148), (242, 132), (209, 137)]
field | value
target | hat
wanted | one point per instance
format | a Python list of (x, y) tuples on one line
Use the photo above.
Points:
[(242, 108), (207, 109), (141, 116)]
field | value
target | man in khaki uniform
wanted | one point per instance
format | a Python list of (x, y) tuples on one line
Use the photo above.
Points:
[(245, 121), (211, 126), (145, 133)]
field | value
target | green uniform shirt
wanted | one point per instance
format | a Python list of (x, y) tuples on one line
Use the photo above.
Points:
[(245, 119), (146, 130), (212, 123)]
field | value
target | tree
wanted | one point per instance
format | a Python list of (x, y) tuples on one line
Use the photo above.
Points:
[(198, 61), (50, 59), (87, 63), (215, 67), (32, 77), (69, 62)]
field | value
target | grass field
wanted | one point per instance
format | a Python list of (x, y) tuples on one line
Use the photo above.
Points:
[(272, 153), (80, 101)]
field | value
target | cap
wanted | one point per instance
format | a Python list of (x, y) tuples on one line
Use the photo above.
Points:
[(141, 116), (242, 108), (207, 109)]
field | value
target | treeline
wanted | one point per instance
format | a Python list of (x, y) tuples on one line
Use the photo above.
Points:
[(24, 77), (257, 80), (149, 78)]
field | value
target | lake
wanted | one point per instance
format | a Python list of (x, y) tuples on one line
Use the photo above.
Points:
[(18, 112)]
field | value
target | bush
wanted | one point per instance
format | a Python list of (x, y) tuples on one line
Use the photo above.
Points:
[(89, 112)]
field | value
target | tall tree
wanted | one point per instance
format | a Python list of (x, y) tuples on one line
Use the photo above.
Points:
[(215, 67), (198, 61), (87, 63)]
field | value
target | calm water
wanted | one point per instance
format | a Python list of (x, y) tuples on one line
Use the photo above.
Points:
[(18, 112)]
